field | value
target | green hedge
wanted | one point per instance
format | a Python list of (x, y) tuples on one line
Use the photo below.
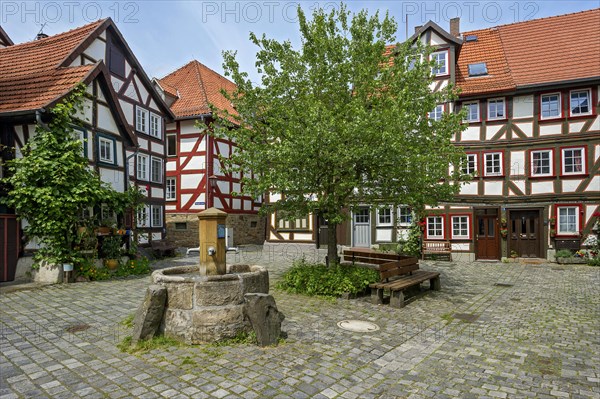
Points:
[(318, 279)]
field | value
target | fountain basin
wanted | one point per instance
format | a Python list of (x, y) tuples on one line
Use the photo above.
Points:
[(202, 309)]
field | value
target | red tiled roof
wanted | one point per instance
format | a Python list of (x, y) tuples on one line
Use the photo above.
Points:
[(31, 74), (547, 50), (196, 86), (488, 48)]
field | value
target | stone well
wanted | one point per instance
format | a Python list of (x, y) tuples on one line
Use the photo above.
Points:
[(208, 308)]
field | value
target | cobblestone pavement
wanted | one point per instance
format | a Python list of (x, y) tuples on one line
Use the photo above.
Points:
[(495, 330)]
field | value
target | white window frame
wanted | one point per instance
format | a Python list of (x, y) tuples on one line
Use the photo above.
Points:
[(111, 146), (589, 101), (431, 219), (573, 232), (143, 216), (476, 103), (381, 214), (496, 101), (401, 215), (500, 161), (550, 163), (154, 208), (143, 168), (436, 70), (171, 189), (436, 114), (142, 119), (155, 125), (558, 94), (463, 167), (153, 169), (563, 163), (461, 222)]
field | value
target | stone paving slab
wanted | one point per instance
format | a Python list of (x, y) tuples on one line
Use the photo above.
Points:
[(537, 335)]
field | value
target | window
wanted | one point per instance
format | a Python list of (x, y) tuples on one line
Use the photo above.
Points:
[(171, 189), (155, 126), (573, 160), (437, 112), (478, 69), (435, 227), (460, 227), (171, 145), (180, 225), (384, 216), (157, 170), (493, 164), (412, 60), (472, 112), (496, 109), (285, 223), (116, 60), (580, 102), (107, 216), (157, 215), (404, 216), (441, 60), (106, 150), (541, 163), (550, 106), (143, 217), (141, 120), (469, 165), (568, 219), (142, 167)]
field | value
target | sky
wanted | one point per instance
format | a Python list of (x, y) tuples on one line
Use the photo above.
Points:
[(165, 35)]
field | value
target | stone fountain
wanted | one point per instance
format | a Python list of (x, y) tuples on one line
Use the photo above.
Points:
[(210, 302)]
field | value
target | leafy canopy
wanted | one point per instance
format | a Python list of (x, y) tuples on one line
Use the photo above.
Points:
[(52, 183), (341, 120)]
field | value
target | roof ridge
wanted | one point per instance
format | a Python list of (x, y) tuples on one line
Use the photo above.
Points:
[(200, 80), (533, 20), (177, 70)]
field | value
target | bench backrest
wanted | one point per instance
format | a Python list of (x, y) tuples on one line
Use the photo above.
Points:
[(369, 256), (398, 268), (436, 245)]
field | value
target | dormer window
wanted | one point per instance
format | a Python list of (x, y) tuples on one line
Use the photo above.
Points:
[(440, 58), (478, 69)]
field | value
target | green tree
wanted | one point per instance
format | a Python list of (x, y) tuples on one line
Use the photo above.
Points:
[(340, 121), (52, 183)]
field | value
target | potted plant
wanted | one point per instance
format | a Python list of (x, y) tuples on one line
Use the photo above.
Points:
[(111, 249), (552, 233), (514, 255), (552, 222), (503, 222), (504, 233)]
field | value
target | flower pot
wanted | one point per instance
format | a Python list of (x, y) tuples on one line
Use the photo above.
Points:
[(111, 264), (571, 260), (103, 230)]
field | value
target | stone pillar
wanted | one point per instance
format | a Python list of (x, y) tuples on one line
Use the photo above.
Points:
[(211, 232)]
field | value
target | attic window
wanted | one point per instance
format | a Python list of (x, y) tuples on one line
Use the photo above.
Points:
[(478, 69), (471, 38), (116, 60)]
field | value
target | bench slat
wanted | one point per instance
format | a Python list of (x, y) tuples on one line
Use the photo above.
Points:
[(402, 270), (406, 281)]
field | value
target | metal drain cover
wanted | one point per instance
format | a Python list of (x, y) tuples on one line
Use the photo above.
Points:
[(358, 326)]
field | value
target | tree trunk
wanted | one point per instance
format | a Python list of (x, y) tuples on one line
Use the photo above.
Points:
[(332, 257)]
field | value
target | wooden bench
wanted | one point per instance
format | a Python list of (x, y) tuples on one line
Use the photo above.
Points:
[(162, 248), (436, 248), (397, 274)]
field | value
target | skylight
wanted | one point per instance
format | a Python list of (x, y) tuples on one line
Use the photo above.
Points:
[(478, 69), (471, 38)]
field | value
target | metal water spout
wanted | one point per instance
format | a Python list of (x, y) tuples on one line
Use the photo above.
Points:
[(211, 231)]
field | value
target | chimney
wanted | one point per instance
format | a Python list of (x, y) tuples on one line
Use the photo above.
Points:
[(417, 28), (41, 36), (455, 27)]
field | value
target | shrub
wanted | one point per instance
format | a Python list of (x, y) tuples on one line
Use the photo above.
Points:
[(563, 253), (594, 262), (318, 279), (85, 267)]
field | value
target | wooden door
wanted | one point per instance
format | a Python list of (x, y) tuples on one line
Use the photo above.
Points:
[(9, 247), (362, 228), (524, 233), (323, 232), (487, 237)]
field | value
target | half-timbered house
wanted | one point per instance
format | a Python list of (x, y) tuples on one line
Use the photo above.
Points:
[(530, 90), (123, 119), (195, 177)]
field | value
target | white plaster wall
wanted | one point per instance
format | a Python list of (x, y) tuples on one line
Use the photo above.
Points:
[(471, 133), (491, 130), (143, 143), (171, 166), (520, 185), (594, 185), (96, 50), (274, 197), (127, 110), (596, 125), (237, 203), (189, 181), (157, 192), (185, 198), (522, 106), (223, 149), (569, 185), (383, 235), (106, 120), (197, 162), (493, 187), (141, 88), (517, 163), (303, 236), (223, 186), (526, 128), (116, 83), (157, 148), (463, 247), (469, 188), (188, 127), (542, 187), (186, 144), (113, 177), (153, 105), (546, 130), (248, 205), (575, 127)]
